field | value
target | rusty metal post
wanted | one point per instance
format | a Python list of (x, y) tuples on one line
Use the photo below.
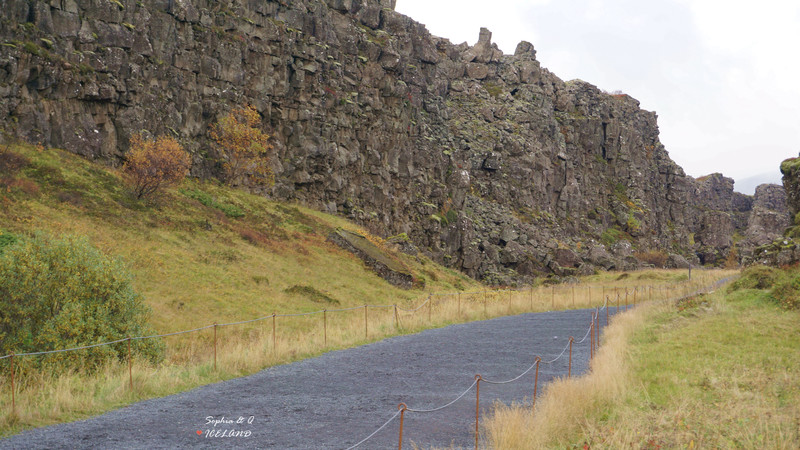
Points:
[(597, 320), (274, 338), (591, 339), (325, 325), (365, 321), (531, 297), (13, 387), (402, 407), (215, 345), (478, 378), (535, 382), (569, 371), (130, 364)]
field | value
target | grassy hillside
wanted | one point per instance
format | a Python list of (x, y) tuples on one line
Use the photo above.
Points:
[(717, 371), (201, 253)]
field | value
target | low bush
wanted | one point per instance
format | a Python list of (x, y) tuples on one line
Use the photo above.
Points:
[(755, 277), (786, 291), (58, 293), (657, 258), (155, 164)]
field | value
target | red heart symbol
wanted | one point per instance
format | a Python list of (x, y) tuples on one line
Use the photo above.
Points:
[(199, 432)]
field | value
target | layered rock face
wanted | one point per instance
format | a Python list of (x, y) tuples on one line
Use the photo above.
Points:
[(488, 162)]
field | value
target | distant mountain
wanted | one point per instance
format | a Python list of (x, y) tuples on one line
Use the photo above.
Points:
[(748, 185)]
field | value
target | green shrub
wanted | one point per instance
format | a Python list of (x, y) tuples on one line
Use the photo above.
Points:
[(786, 291), (231, 211), (755, 277), (613, 235), (6, 239), (58, 293)]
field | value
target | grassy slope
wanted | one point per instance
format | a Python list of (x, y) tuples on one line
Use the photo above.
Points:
[(195, 265), (719, 372), (191, 275)]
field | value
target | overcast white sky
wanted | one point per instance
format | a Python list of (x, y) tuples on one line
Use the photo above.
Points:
[(723, 76)]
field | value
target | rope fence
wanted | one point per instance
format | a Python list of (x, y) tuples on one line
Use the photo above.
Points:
[(594, 327), (481, 296)]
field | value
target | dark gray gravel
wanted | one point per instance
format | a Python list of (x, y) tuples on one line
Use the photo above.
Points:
[(339, 398)]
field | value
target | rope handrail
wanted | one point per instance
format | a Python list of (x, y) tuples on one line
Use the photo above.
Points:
[(513, 379), (376, 431), (589, 330), (172, 334), (415, 309), (557, 357), (445, 406), (70, 349), (538, 360), (277, 315)]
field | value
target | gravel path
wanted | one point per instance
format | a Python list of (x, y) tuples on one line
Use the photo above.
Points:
[(337, 399)]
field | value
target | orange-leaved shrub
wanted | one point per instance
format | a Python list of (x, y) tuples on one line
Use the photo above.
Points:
[(657, 258), (243, 147), (154, 164)]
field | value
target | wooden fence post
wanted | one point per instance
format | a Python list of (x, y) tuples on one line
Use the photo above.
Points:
[(13, 387), (569, 371), (130, 364), (478, 379), (402, 407)]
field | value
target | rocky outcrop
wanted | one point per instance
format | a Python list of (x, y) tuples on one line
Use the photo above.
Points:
[(769, 217), (790, 169), (718, 214), (489, 163), (383, 264)]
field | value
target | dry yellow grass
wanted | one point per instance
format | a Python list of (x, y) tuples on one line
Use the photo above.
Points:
[(718, 372), (561, 411), (244, 349)]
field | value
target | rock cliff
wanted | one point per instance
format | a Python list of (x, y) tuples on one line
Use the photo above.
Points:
[(488, 162)]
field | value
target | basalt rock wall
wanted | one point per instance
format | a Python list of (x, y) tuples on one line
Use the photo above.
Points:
[(488, 162)]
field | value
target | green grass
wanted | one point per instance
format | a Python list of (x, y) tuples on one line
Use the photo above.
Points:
[(198, 253), (717, 372)]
